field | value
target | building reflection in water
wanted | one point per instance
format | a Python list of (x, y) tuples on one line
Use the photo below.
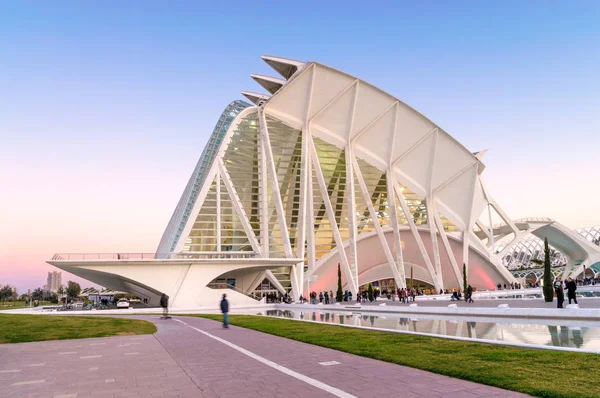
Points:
[(535, 333)]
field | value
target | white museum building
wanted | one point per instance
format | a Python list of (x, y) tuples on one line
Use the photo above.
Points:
[(327, 169)]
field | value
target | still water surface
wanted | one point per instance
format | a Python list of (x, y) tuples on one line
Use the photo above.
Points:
[(543, 332)]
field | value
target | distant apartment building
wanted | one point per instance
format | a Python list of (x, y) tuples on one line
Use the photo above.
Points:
[(54, 281)]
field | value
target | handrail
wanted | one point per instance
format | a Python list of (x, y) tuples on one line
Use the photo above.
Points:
[(153, 256)]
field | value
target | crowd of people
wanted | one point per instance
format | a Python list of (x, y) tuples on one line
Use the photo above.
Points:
[(587, 281), (277, 298), (512, 285)]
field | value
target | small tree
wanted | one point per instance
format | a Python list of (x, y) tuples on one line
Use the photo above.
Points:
[(339, 297), (60, 292), (370, 292), (465, 278), (6, 292), (73, 289), (548, 290), (37, 294)]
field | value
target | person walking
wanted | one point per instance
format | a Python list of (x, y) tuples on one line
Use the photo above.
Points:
[(225, 310), (164, 303), (571, 287), (469, 297), (320, 297), (560, 295)]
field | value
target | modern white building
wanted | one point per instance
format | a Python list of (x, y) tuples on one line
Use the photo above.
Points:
[(325, 169)]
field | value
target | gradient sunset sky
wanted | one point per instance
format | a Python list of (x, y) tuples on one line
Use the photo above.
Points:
[(106, 106)]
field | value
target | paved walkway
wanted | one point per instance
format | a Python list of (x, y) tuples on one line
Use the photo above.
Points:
[(194, 357)]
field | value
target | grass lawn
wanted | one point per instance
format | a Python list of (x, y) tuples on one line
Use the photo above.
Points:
[(541, 373), (7, 305), (26, 328)]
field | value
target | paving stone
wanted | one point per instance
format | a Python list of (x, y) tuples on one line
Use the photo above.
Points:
[(178, 361)]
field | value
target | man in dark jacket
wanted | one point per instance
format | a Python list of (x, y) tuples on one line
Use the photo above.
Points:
[(164, 303), (225, 310), (571, 287), (469, 298)]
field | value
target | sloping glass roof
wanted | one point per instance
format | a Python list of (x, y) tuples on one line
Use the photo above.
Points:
[(184, 207)]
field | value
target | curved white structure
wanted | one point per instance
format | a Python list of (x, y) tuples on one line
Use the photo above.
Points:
[(325, 169)]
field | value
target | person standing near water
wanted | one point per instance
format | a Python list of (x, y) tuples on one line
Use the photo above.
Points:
[(225, 310), (571, 287), (560, 295)]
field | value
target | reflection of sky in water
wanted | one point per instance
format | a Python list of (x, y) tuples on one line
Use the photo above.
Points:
[(559, 333)]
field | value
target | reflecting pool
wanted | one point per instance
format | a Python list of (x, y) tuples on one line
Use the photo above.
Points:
[(583, 335)]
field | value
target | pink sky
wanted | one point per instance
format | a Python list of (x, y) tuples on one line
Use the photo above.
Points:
[(102, 201)]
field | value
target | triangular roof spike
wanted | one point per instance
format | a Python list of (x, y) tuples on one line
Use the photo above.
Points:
[(271, 84), (256, 98), (285, 67), (480, 154)]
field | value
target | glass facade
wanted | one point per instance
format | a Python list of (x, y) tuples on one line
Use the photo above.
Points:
[(184, 207), (242, 161)]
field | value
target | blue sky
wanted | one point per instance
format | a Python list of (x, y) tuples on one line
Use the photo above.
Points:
[(105, 106)]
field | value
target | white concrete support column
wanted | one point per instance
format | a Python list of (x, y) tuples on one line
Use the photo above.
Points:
[(264, 198), (218, 211), (399, 257), (255, 282), (330, 214), (310, 216), (415, 232), (302, 211), (351, 201), (491, 241), (431, 211), (276, 196), (448, 249), (381, 235), (466, 237)]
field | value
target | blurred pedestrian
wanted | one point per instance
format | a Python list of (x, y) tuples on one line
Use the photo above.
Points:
[(225, 310), (164, 303)]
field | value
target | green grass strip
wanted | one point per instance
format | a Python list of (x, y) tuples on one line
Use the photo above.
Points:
[(542, 373), (27, 328), (8, 305)]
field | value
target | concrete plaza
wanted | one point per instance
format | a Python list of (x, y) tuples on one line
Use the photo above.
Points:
[(194, 357)]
